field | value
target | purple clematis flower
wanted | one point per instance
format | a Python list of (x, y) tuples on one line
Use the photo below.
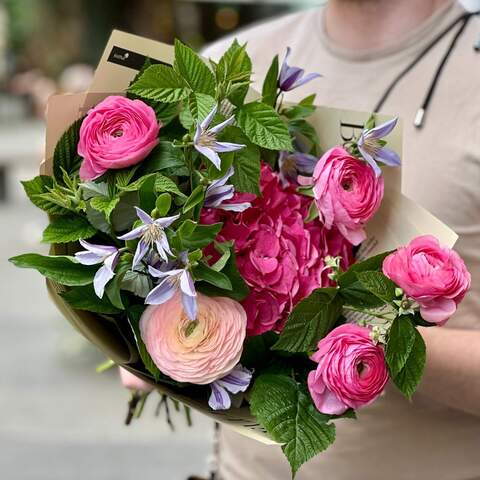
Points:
[(152, 232), (205, 140), (218, 192), (171, 282), (292, 163), (235, 382), (293, 77), (372, 147), (95, 254)]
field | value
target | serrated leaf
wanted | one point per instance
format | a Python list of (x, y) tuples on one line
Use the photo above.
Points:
[(310, 321), (61, 269), (65, 155), (164, 184), (195, 198), (137, 184), (200, 106), (104, 205), (270, 85), (162, 84), (286, 411), (84, 298), (68, 229), (409, 377), (378, 284), (401, 339), (193, 69), (263, 126), (35, 188)]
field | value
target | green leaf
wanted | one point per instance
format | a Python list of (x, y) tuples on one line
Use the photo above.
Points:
[(200, 106), (134, 315), (378, 284), (68, 229), (192, 235), (370, 264), (165, 184), (270, 85), (63, 270), (113, 288), (104, 205), (409, 377), (299, 112), (246, 177), (308, 101), (124, 214), (357, 296), (84, 298), (35, 188), (65, 155), (286, 411), (163, 156), (194, 199), (193, 69), (239, 289), (400, 343), (305, 134), (263, 126), (136, 282), (160, 83), (310, 321), (209, 275)]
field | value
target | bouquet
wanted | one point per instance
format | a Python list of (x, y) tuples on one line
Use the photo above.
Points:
[(204, 239)]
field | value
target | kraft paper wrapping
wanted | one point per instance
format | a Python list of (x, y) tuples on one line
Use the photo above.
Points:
[(397, 222)]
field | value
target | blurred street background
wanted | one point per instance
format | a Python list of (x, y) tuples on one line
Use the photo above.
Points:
[(58, 418)]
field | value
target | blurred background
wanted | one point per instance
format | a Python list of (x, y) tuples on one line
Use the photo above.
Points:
[(59, 419)]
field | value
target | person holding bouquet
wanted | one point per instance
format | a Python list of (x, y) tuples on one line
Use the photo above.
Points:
[(415, 59)]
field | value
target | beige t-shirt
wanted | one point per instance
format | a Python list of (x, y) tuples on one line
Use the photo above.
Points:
[(393, 439)]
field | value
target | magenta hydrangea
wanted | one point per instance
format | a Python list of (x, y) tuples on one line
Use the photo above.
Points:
[(280, 257)]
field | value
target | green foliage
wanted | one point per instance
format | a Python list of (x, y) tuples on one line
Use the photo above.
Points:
[(160, 83), (270, 85), (36, 190), (200, 105), (263, 126), (165, 184), (193, 69), (190, 235), (195, 198), (84, 298), (370, 264), (287, 413), (408, 378), (305, 135), (401, 339), (65, 156), (68, 229), (163, 156), (246, 162), (310, 321), (104, 205), (61, 269), (207, 274), (378, 284)]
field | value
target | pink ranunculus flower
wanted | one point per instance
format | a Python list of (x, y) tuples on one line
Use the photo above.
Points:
[(280, 257), (116, 133), (199, 351), (347, 193), (351, 370), (132, 382), (434, 276)]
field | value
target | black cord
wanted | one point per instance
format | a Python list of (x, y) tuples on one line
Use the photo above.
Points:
[(463, 18)]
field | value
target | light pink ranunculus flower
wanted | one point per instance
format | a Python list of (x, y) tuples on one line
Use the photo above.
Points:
[(347, 193), (434, 276), (198, 352), (116, 133), (279, 256), (132, 382), (351, 370)]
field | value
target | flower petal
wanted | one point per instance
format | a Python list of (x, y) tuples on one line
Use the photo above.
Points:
[(219, 399), (102, 250), (88, 258), (307, 78), (135, 233), (144, 216), (218, 128), (210, 154), (382, 130), (159, 274), (389, 157), (140, 252), (163, 292), (237, 380), (235, 207), (190, 305), (208, 119), (370, 160), (186, 284), (222, 147), (166, 221), (102, 277)]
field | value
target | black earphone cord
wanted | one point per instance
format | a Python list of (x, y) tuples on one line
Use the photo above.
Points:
[(418, 122)]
